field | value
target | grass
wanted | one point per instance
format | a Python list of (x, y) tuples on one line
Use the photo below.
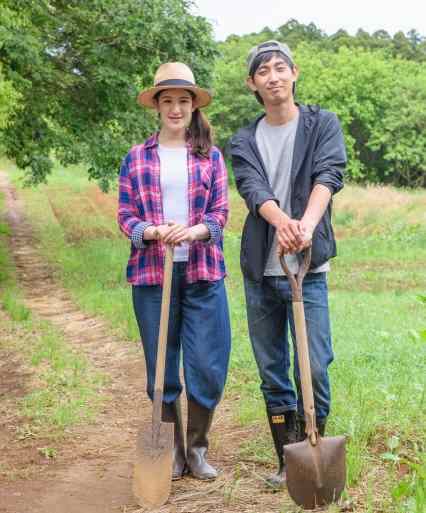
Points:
[(379, 373), (64, 388), (68, 391)]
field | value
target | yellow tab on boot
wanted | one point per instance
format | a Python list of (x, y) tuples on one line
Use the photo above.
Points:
[(278, 419)]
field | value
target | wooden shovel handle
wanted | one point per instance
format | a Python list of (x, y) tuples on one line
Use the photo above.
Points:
[(305, 370), (162, 340), (302, 343)]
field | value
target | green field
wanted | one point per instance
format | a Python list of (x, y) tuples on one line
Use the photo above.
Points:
[(378, 306)]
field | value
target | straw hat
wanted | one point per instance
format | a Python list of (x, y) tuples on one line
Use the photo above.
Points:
[(174, 75)]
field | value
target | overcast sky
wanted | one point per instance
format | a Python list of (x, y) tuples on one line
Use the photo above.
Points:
[(245, 16)]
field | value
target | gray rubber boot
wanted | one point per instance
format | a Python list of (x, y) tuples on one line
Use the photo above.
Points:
[(199, 422), (171, 412), (284, 431)]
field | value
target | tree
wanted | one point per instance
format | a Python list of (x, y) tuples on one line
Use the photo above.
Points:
[(378, 99), (9, 99), (401, 134), (293, 33), (402, 46), (78, 67)]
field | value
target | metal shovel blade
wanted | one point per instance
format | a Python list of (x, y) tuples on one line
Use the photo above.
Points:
[(316, 475), (152, 478)]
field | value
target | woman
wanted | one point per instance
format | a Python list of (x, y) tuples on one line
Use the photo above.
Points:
[(173, 190)]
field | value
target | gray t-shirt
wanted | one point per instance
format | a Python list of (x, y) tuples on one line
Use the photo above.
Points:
[(276, 145)]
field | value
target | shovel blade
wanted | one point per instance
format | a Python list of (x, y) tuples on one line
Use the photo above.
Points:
[(152, 476), (316, 475)]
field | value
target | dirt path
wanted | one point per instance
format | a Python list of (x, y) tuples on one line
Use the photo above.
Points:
[(92, 473)]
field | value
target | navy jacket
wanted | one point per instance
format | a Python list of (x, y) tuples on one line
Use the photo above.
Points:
[(319, 158)]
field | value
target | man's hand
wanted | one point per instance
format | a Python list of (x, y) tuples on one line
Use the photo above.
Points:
[(288, 231), (289, 234), (307, 230), (303, 241)]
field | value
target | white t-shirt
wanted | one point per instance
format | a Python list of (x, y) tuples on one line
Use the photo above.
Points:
[(174, 189)]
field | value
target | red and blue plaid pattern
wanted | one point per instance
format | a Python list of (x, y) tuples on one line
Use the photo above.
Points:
[(140, 205)]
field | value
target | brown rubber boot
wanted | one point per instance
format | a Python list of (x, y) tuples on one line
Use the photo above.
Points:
[(171, 412), (284, 431), (199, 422)]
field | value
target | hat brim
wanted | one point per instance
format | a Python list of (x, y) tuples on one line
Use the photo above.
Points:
[(202, 96)]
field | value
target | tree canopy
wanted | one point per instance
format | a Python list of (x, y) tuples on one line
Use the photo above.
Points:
[(70, 72), (376, 85), (78, 66)]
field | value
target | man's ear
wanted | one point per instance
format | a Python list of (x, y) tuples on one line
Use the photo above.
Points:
[(295, 72), (250, 84)]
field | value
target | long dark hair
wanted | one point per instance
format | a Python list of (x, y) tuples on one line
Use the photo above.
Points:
[(200, 134)]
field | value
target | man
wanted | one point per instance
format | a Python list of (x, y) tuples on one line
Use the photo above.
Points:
[(287, 164)]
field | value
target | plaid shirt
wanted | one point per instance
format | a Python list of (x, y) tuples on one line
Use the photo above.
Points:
[(140, 206)]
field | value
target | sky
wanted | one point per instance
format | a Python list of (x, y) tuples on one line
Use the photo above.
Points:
[(245, 16)]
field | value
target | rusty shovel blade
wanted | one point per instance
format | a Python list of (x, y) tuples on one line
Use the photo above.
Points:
[(152, 477), (316, 475)]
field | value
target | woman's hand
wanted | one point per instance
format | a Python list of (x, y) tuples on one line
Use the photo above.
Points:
[(190, 234), (175, 233), (157, 232)]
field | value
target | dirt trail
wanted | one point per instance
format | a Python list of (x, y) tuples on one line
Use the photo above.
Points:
[(92, 473)]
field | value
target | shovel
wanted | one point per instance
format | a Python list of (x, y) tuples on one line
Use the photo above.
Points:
[(152, 478), (316, 467)]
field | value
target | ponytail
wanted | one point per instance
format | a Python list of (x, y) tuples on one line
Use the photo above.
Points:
[(200, 134)]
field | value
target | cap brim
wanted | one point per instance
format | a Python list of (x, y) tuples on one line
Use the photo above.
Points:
[(202, 96)]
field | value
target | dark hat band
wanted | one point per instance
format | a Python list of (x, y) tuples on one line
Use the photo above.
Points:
[(176, 82)]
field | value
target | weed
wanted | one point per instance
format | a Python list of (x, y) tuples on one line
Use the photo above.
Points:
[(48, 452), (14, 307), (410, 493)]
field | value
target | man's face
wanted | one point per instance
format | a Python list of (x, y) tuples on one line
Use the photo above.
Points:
[(273, 80)]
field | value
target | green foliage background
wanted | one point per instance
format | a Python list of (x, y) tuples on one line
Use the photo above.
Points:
[(78, 67), (377, 90), (70, 73)]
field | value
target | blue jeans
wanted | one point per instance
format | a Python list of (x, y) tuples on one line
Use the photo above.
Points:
[(269, 313), (199, 325)]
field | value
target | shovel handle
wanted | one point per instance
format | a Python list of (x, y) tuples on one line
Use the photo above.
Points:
[(162, 341), (302, 342), (305, 371)]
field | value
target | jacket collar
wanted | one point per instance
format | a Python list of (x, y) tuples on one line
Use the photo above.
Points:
[(307, 115), (306, 112)]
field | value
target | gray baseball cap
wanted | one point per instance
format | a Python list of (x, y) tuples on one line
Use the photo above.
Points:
[(268, 46)]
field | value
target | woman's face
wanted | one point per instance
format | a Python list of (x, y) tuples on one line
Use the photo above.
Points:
[(175, 107)]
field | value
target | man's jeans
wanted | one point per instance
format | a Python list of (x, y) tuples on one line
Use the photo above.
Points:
[(199, 325), (269, 313)]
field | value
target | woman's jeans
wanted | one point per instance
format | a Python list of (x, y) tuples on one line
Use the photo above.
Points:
[(199, 325), (269, 313)]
